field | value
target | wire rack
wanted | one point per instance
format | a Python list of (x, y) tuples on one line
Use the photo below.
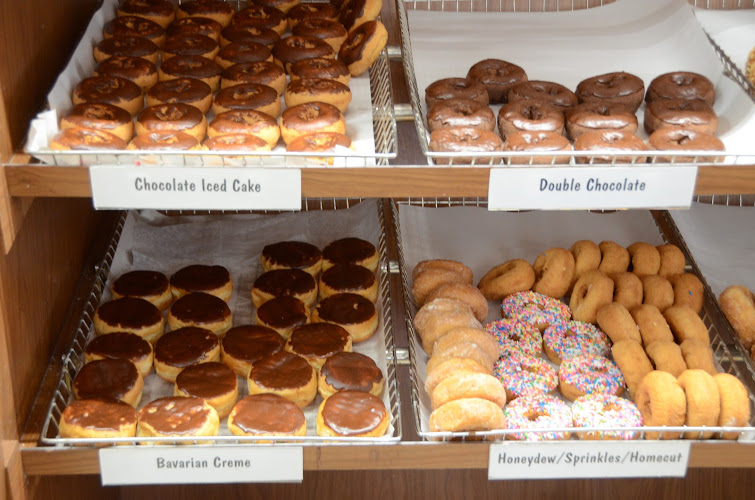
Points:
[(519, 158), (726, 351), (74, 360)]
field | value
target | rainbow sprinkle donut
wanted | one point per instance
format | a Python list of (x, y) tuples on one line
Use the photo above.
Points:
[(538, 412), (521, 336), (522, 374), (568, 339), (606, 410), (589, 374), (535, 308)]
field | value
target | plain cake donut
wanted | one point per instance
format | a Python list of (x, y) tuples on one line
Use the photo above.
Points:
[(554, 270), (592, 291), (662, 402), (512, 276)]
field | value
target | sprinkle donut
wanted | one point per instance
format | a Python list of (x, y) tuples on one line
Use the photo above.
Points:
[(535, 308), (605, 410), (589, 374), (524, 375), (568, 339), (521, 336), (538, 412)]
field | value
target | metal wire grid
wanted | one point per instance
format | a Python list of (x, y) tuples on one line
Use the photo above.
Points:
[(74, 360), (724, 352), (519, 158)]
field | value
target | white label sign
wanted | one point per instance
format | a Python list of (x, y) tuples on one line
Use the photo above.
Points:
[(543, 188), (588, 459), (197, 465), (186, 188)]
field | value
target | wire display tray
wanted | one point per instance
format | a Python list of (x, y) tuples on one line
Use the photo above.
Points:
[(524, 158), (74, 360), (726, 351)]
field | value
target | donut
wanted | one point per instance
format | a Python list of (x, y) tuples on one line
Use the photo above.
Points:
[(685, 324), (645, 258), (512, 276), (681, 85), (467, 140), (521, 336), (245, 33), (215, 280), (529, 116), (468, 385), (243, 52), (178, 417), (255, 96), (317, 90), (195, 26), (354, 13), (98, 418), (279, 282), (666, 356), (308, 11), (498, 77), (467, 415), (121, 345), (455, 88), (634, 364), (524, 375), (703, 402), (310, 117), (261, 16), (605, 410), (699, 355), (213, 381), (316, 342), (449, 265), (282, 5), (292, 255), (109, 90), (181, 90), (430, 280), (620, 88), (351, 311), (734, 403), (696, 116), (327, 30), (672, 260), (197, 67), (129, 314), (184, 347), (134, 26), (614, 257), (349, 371), (350, 250), (684, 139), (260, 72), (469, 335), (586, 258), (460, 113), (464, 292), (537, 142), (160, 11), (110, 379), (294, 48), (616, 322), (266, 415), (554, 269), (610, 146), (440, 315), (134, 46), (349, 278), (627, 289), (738, 305), (450, 366), (248, 122), (352, 414), (321, 142), (318, 67), (236, 143), (535, 309), (662, 402), (591, 291), (590, 116), (589, 374), (284, 374), (218, 10), (172, 118), (100, 116), (164, 141), (567, 339), (538, 412), (688, 291), (190, 45), (244, 345), (651, 323), (201, 310), (462, 350), (553, 93), (657, 291), (282, 314)]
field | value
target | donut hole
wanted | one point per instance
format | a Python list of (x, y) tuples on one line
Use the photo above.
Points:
[(611, 407), (533, 113), (534, 416)]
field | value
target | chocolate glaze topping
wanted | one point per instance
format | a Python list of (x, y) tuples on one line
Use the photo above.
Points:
[(141, 284), (128, 67), (348, 251), (351, 371), (101, 414), (267, 413), (282, 370), (246, 95), (191, 67), (185, 346), (200, 307), (98, 115), (252, 342), (292, 254), (105, 378), (346, 309), (207, 380), (126, 45), (349, 413), (283, 312), (193, 44), (280, 282), (250, 33), (191, 25), (175, 415), (168, 116), (133, 26), (200, 278), (348, 277), (179, 90), (110, 89), (86, 139), (206, 7), (164, 140), (119, 345), (257, 15), (129, 312), (352, 49), (146, 7), (318, 339), (244, 52)]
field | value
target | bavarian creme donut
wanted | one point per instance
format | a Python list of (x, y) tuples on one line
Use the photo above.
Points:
[(160, 11), (245, 121), (590, 116), (657, 291), (294, 48), (135, 26), (645, 258), (685, 323), (554, 269), (195, 25), (284, 374), (683, 139), (537, 142), (184, 347), (236, 143), (305, 90), (282, 314), (698, 355), (318, 67), (651, 324), (681, 85), (703, 402), (279, 282), (172, 118), (447, 264), (467, 415), (429, 280), (530, 116), (181, 90), (498, 77), (126, 45), (605, 410), (468, 335), (614, 257), (539, 413), (465, 140), (666, 356), (634, 364), (292, 255), (455, 88), (680, 113), (589, 374), (262, 16), (460, 113), (350, 278), (100, 116), (515, 334), (201, 310), (331, 32), (151, 286), (307, 11), (266, 415), (610, 146), (672, 260), (190, 45), (738, 304), (466, 293), (624, 89), (735, 404), (178, 417), (109, 378), (468, 385), (244, 345), (98, 418), (535, 309), (586, 258), (129, 314), (349, 371), (213, 381), (524, 375), (616, 322), (247, 96), (316, 342), (350, 250), (352, 414), (85, 139), (242, 33), (263, 72), (565, 340), (662, 402), (110, 90), (311, 117), (197, 67), (218, 10), (215, 280), (121, 345), (243, 52), (551, 92), (351, 311), (512, 276), (363, 46)]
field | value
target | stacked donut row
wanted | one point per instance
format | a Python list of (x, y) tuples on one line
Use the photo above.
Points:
[(599, 116), (241, 58), (738, 304)]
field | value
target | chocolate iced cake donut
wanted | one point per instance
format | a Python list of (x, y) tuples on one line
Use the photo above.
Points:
[(284, 374), (681, 85), (279, 282), (243, 52), (350, 251), (689, 114), (317, 90), (554, 93), (316, 342), (151, 286), (218, 10), (282, 314), (85, 139), (160, 11), (294, 48), (245, 121), (259, 15), (164, 141), (351, 311), (244, 345), (126, 45), (213, 381), (135, 69), (181, 91), (528, 115), (460, 113), (190, 45), (260, 72), (612, 142), (309, 118), (292, 255), (110, 90), (266, 415), (201, 310), (282, 5), (236, 143), (537, 142), (178, 417), (121, 345), (215, 280), (679, 140), (135, 26), (621, 88), (354, 13), (307, 11), (350, 371), (98, 418), (596, 115), (109, 378), (348, 278), (465, 140), (243, 33), (320, 142), (498, 77), (184, 347), (129, 314), (352, 413), (100, 116), (247, 96), (197, 67), (195, 26), (318, 67), (172, 118), (455, 88), (331, 32)]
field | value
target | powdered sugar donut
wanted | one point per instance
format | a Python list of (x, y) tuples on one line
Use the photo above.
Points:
[(522, 374), (535, 308), (589, 374), (538, 412), (567, 339), (516, 334), (605, 410)]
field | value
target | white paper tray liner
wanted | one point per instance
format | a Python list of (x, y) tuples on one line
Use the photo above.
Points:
[(732, 30), (157, 242), (643, 37)]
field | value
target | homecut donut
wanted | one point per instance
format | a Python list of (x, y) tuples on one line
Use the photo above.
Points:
[(734, 402), (589, 374), (627, 289), (467, 415), (620, 88), (591, 291), (681, 85), (685, 324), (554, 269), (698, 354), (616, 322), (540, 412), (657, 291), (738, 304), (651, 323), (586, 258), (535, 309), (662, 402), (498, 77), (703, 402), (672, 260), (614, 257), (666, 356), (634, 364), (645, 258), (590, 116), (524, 375), (468, 385), (464, 292), (688, 291), (510, 277), (460, 113)]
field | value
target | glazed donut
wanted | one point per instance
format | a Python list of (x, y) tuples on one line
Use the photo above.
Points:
[(293, 48), (307, 11), (624, 89), (135, 26), (429, 280), (662, 402), (438, 317), (455, 88), (516, 335), (683, 139), (551, 92), (451, 366), (634, 364), (568, 339), (262, 72), (651, 323), (657, 291), (464, 292), (310, 117), (586, 258), (460, 113), (645, 258), (469, 335), (261, 16), (317, 89), (327, 30), (537, 142), (468, 385), (698, 355), (538, 413), (160, 11), (688, 291), (591, 291), (735, 404), (197, 67), (685, 324), (100, 116), (181, 90), (134, 46), (462, 350), (703, 402), (172, 118), (621, 147), (449, 265), (590, 116), (318, 67), (616, 322), (512, 276), (247, 96), (245, 33), (190, 45), (738, 304), (681, 85), (195, 26), (243, 52), (605, 410), (467, 140), (218, 10), (666, 357), (672, 260), (534, 309), (614, 257), (554, 269), (354, 13), (524, 375), (164, 141), (245, 121), (690, 115), (467, 415), (529, 116), (109, 90), (627, 289), (498, 77), (589, 374)]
